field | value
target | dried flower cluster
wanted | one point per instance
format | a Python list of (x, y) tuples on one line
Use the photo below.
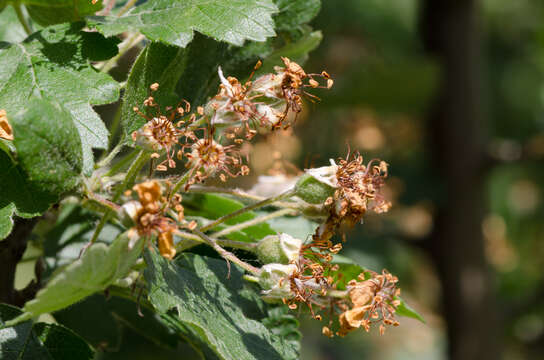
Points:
[(358, 189), (149, 215), (238, 109), (5, 128)]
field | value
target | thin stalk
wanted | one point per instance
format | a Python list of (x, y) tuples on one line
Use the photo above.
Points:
[(181, 182), (21, 17), (121, 164), (255, 221), (239, 194), (113, 153), (132, 172), (226, 254), (126, 8), (256, 205), (222, 242)]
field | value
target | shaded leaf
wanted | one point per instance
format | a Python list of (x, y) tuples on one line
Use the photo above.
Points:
[(100, 320), (197, 292), (97, 269), (39, 340), (173, 22), (293, 13), (48, 163), (48, 147), (54, 64), (50, 12)]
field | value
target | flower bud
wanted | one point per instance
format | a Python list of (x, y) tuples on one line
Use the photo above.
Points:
[(274, 279), (281, 248), (312, 190)]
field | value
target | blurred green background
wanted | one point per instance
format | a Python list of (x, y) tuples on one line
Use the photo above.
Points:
[(451, 94)]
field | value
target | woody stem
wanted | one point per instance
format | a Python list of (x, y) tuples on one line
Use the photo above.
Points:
[(226, 254), (256, 205)]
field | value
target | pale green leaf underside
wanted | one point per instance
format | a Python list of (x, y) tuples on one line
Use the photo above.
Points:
[(173, 21), (97, 269), (205, 299)]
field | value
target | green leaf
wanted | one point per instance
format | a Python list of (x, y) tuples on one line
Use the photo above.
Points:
[(197, 292), (296, 50), (297, 226), (293, 13), (157, 63), (99, 320), (50, 12), (406, 310), (10, 28), (6, 221), (48, 147), (97, 269), (54, 64), (39, 340), (212, 206), (48, 162), (71, 232), (173, 22)]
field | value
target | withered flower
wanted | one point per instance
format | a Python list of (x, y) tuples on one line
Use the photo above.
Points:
[(358, 189), (373, 301), (207, 157), (163, 132), (6, 131), (148, 214)]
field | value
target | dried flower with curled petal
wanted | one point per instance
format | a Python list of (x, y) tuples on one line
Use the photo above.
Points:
[(358, 189), (292, 86), (148, 214), (373, 301), (6, 131)]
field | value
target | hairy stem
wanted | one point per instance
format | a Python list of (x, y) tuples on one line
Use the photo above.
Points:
[(256, 205), (255, 221), (113, 153), (227, 255), (239, 194), (181, 182), (222, 242)]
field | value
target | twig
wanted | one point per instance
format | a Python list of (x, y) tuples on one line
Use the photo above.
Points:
[(256, 205), (254, 221), (227, 255)]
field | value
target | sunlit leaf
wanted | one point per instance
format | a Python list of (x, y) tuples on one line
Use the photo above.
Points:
[(199, 293)]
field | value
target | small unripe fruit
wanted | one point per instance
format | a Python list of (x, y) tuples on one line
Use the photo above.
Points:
[(313, 191)]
